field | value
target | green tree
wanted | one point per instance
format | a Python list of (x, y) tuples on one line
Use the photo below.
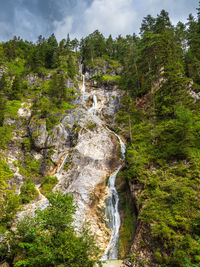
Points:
[(110, 46), (15, 93), (2, 108), (9, 201), (49, 238), (75, 44), (71, 67), (28, 191)]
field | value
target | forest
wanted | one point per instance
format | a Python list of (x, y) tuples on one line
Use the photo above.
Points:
[(159, 117)]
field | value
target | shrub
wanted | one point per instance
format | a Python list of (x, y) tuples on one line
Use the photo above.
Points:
[(28, 192), (48, 184), (49, 238)]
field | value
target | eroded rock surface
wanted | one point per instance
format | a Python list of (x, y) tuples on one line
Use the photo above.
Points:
[(37, 128), (92, 158), (89, 151)]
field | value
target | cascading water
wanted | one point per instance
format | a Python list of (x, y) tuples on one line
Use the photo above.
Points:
[(94, 107), (95, 102), (63, 163), (83, 87), (112, 213)]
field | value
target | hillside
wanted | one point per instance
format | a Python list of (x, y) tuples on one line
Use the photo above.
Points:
[(67, 111)]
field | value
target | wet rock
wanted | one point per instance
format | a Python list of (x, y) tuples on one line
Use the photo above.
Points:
[(92, 156)]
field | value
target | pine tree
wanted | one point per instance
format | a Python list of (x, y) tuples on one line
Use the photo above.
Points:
[(15, 93), (53, 87), (74, 44), (110, 46), (2, 107), (71, 67), (61, 89)]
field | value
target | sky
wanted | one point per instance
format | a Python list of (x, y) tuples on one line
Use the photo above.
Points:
[(31, 18)]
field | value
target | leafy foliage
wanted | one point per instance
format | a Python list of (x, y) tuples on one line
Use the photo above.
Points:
[(28, 192), (161, 121), (48, 184), (9, 201), (49, 239)]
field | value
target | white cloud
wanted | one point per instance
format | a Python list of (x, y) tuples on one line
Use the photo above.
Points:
[(28, 23), (113, 16), (109, 17), (62, 28), (30, 18)]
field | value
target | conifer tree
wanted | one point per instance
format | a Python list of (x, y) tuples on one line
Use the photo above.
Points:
[(15, 93), (110, 46), (2, 107)]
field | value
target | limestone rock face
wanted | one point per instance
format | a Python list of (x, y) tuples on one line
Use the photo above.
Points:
[(102, 68), (93, 157), (33, 80), (84, 154), (60, 140), (37, 129)]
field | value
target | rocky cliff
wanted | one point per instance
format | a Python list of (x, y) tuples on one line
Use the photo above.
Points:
[(79, 150)]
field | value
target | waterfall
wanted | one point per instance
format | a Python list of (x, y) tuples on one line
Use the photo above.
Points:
[(122, 145), (94, 107), (112, 213), (95, 102), (63, 163), (83, 87)]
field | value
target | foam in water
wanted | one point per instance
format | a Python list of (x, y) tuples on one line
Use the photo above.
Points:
[(112, 213)]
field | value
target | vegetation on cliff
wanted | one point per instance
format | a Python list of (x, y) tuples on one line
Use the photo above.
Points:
[(159, 71), (160, 117), (49, 239)]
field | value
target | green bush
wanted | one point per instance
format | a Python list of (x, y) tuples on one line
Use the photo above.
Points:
[(48, 184), (28, 192), (91, 126), (49, 238), (30, 167), (5, 136), (9, 201), (26, 144)]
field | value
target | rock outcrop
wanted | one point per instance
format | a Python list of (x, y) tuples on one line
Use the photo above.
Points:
[(93, 156), (38, 132), (83, 151)]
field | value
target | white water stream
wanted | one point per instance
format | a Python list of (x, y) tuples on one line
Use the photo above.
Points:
[(94, 107), (112, 212), (83, 87)]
